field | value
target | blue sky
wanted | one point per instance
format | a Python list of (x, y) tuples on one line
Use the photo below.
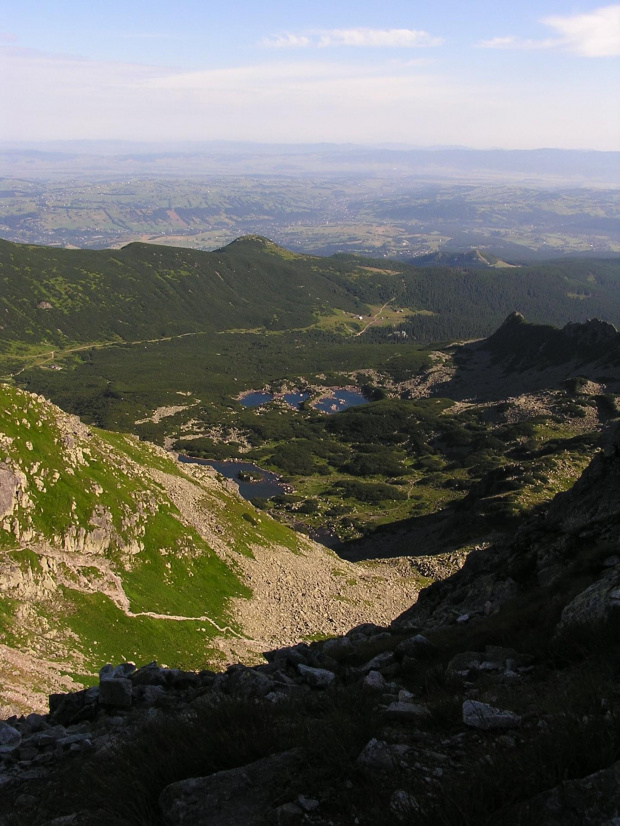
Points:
[(477, 73)]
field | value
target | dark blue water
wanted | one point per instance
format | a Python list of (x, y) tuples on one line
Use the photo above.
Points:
[(341, 400), (269, 484), (255, 399), (295, 399)]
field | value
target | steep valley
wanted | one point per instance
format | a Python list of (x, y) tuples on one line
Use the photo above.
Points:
[(451, 659), (493, 700), (111, 550)]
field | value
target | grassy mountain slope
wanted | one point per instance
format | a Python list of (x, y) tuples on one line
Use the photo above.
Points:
[(146, 291), (110, 550)]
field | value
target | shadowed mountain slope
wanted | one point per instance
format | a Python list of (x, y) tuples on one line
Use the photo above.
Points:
[(554, 556), (522, 357)]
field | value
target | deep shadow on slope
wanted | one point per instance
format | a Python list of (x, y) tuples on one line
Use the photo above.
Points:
[(525, 358), (519, 358), (552, 553), (419, 536)]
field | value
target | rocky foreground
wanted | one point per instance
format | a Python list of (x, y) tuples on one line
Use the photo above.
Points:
[(495, 699)]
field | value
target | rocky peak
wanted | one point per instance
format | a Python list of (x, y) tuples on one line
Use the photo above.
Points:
[(512, 320), (591, 333)]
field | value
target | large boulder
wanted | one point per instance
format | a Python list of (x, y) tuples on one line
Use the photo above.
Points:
[(244, 796), (590, 801), (594, 606), (483, 716), (11, 482)]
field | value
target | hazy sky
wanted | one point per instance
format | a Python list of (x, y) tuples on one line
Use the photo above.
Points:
[(479, 73)]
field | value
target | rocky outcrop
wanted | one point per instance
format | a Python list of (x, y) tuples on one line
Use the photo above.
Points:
[(593, 333), (238, 797), (591, 801), (11, 483), (594, 606), (483, 716), (525, 358)]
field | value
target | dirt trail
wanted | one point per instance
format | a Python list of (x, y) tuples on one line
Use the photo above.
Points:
[(373, 320), (49, 355)]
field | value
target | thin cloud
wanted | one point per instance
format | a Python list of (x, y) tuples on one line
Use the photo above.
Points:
[(291, 101), (145, 35), (384, 38), (596, 34), (518, 43), (286, 41), (360, 37)]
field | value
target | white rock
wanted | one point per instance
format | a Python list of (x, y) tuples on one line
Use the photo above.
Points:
[(406, 711), (308, 804), (10, 738), (378, 662), (316, 677), (403, 805), (377, 754), (374, 681), (483, 716)]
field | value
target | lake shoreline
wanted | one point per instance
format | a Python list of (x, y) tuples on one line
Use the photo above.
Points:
[(319, 395)]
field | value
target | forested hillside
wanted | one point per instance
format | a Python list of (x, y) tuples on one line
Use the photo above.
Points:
[(59, 297)]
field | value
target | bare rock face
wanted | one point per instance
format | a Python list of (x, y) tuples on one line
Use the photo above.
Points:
[(591, 801), (485, 717), (11, 483), (595, 605), (115, 692), (591, 333), (238, 797), (96, 541)]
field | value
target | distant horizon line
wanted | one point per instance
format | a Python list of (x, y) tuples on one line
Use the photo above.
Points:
[(169, 145)]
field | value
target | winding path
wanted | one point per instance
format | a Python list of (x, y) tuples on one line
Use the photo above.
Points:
[(50, 354), (373, 320)]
